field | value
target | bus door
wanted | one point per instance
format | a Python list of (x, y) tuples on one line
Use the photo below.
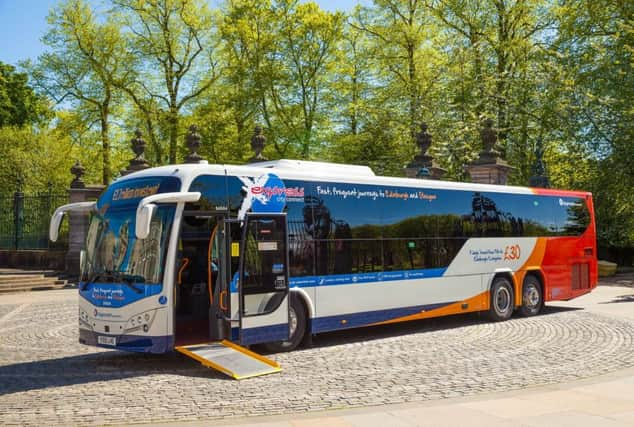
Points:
[(219, 311), (263, 279)]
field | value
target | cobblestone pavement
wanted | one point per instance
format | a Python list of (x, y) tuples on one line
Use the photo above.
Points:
[(45, 375)]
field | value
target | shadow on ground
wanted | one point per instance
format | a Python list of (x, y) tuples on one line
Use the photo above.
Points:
[(370, 333), (620, 298), (108, 366)]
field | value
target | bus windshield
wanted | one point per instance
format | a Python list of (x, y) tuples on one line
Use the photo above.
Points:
[(114, 254)]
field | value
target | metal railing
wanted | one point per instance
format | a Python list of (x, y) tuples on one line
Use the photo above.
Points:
[(24, 221)]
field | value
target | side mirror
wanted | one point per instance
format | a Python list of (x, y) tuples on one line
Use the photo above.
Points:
[(56, 221), (143, 220), (58, 215), (82, 264)]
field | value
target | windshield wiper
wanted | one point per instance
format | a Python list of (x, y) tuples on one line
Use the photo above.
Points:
[(105, 276), (131, 279)]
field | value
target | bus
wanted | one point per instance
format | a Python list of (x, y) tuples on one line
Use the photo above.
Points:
[(275, 252)]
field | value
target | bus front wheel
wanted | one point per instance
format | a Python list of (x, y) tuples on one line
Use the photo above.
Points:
[(501, 305), (297, 328)]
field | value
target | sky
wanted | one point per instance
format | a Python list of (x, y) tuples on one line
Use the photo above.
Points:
[(23, 23)]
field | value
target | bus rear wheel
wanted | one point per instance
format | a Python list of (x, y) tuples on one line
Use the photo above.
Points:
[(501, 305), (532, 296), (297, 328)]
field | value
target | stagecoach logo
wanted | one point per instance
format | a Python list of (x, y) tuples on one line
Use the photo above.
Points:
[(102, 314), (562, 202), (266, 193)]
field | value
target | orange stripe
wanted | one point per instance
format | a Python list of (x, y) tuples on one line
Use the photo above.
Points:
[(534, 262), (476, 303)]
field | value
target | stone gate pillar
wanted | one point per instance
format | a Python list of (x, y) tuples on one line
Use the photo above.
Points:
[(78, 221), (489, 168), (424, 166)]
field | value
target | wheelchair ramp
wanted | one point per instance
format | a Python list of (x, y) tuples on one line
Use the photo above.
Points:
[(230, 359)]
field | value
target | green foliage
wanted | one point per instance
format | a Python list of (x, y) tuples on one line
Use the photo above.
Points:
[(348, 89), (172, 65), (85, 57), (19, 104), (34, 158)]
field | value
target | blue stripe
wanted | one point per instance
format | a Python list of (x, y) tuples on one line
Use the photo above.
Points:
[(351, 279), (355, 278), (134, 343), (116, 295), (332, 323), (262, 334), (353, 320)]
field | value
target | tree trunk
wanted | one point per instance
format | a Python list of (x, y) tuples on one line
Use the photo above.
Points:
[(158, 150), (477, 69), (502, 65), (354, 111), (413, 91), (173, 134), (105, 147)]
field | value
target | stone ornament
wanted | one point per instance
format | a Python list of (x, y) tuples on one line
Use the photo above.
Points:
[(78, 171), (193, 141), (258, 142)]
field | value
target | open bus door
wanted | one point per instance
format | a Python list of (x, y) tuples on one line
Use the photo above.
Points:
[(232, 246), (263, 281)]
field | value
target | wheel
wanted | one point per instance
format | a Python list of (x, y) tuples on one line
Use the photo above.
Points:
[(532, 296), (502, 306), (297, 328)]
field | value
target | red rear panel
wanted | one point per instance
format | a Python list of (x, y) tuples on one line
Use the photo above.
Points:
[(570, 263)]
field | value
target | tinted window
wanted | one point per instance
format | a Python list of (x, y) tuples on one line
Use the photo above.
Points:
[(301, 228), (571, 215), (213, 192), (515, 215), (419, 213), (366, 256), (342, 214)]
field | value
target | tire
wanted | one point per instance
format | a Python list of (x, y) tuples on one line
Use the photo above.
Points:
[(501, 299), (532, 296), (297, 325)]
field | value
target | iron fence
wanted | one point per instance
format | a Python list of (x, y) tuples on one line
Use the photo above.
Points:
[(24, 221)]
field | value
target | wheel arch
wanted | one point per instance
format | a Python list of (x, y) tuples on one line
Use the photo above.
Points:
[(305, 299), (307, 303), (506, 273)]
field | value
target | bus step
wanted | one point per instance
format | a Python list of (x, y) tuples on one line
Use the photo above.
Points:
[(230, 359)]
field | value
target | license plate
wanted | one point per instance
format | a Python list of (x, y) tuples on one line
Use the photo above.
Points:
[(106, 340)]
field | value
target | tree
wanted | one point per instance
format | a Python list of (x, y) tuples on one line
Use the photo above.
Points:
[(247, 35), (85, 56), (34, 157), (172, 41), (19, 104), (308, 39), (404, 46), (595, 43)]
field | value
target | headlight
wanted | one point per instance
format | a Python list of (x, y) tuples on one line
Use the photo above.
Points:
[(141, 321), (84, 321)]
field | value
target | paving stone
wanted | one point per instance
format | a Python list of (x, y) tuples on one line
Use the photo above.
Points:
[(45, 374)]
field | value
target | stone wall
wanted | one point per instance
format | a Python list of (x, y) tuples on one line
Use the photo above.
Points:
[(33, 259)]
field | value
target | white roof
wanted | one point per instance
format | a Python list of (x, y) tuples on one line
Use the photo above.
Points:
[(323, 167), (316, 171)]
